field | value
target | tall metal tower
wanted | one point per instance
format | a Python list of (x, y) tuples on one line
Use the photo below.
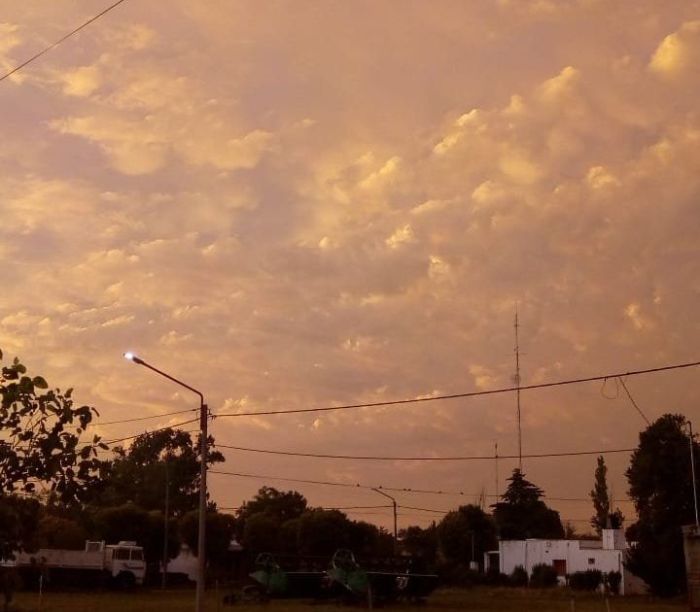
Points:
[(516, 382), (495, 451)]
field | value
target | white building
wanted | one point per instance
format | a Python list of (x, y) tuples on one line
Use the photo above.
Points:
[(567, 557)]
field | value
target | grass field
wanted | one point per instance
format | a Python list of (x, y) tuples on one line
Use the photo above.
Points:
[(474, 600)]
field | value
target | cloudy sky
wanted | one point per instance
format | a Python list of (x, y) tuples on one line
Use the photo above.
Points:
[(310, 203)]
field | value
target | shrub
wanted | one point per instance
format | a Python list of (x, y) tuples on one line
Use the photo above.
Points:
[(586, 581), (496, 578), (459, 574), (613, 580), (518, 577), (543, 576)]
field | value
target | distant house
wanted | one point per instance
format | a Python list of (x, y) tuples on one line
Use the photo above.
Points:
[(567, 556)]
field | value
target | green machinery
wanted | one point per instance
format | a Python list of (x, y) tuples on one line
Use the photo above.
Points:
[(378, 586), (344, 579), (271, 580)]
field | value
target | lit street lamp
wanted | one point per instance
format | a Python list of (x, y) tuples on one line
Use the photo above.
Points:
[(201, 562)]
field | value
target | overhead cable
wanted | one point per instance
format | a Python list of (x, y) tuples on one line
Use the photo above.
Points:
[(349, 485), (96, 423), (174, 425), (433, 398), (60, 40), (424, 458), (629, 395)]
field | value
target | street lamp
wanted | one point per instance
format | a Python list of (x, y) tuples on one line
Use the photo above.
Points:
[(393, 503), (203, 449)]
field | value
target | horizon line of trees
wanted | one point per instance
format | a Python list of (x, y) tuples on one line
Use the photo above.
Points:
[(123, 497)]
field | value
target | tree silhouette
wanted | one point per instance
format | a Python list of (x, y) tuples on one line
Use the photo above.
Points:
[(37, 443), (522, 514), (459, 529), (604, 518), (139, 474), (660, 483)]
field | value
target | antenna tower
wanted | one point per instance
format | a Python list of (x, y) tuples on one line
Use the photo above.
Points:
[(495, 449), (516, 382)]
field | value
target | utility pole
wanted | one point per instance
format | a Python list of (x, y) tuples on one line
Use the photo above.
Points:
[(203, 453), (692, 472), (516, 381), (164, 577)]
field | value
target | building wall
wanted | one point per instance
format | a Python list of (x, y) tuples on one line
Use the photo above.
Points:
[(569, 556)]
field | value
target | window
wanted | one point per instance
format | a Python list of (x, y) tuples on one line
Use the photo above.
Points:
[(591, 561), (121, 554), (94, 546), (136, 554)]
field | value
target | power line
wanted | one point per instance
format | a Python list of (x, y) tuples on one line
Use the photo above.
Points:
[(60, 40), (137, 419), (639, 410), (154, 431), (322, 507), (434, 398), (455, 458), (146, 418), (426, 509), (383, 488), (108, 442)]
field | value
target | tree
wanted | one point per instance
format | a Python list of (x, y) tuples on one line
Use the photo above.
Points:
[(660, 485), (131, 522), (19, 519), (322, 532), (604, 518), (261, 533), (279, 505), (465, 530), (369, 540), (420, 543), (270, 521), (139, 474), (220, 531), (288, 540), (522, 514), (58, 532), (36, 443)]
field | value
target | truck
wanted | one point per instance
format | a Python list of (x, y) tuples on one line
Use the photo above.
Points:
[(121, 564)]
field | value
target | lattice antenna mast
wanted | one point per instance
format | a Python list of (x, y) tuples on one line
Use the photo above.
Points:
[(516, 382), (495, 450)]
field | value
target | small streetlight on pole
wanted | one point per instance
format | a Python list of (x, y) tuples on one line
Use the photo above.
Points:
[(393, 503), (203, 417)]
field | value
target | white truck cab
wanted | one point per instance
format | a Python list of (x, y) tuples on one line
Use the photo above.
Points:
[(124, 558)]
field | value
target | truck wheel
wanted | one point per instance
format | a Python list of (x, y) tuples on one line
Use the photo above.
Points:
[(125, 580)]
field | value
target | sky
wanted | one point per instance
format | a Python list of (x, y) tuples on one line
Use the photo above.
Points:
[(314, 203)]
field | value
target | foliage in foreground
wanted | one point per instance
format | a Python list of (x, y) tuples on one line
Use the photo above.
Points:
[(660, 483)]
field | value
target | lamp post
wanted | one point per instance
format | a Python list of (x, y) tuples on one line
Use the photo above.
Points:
[(201, 562), (393, 503)]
